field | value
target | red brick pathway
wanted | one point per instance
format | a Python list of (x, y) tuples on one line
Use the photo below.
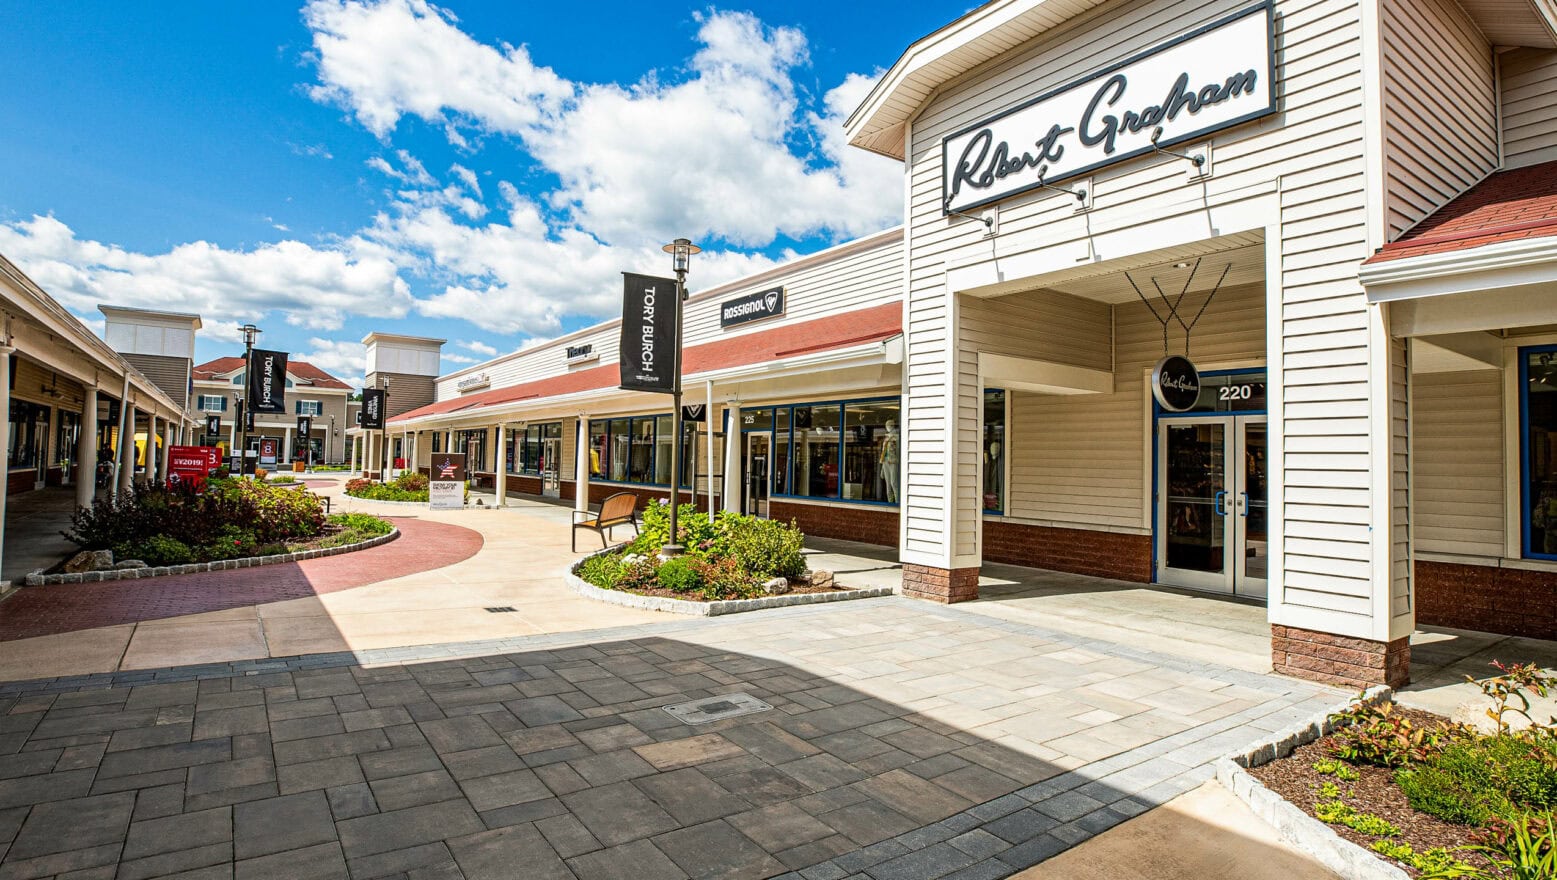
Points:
[(62, 608)]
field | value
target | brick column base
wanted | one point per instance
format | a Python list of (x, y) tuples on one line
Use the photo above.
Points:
[(1333, 659), (944, 585)]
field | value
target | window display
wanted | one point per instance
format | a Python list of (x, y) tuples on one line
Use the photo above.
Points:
[(634, 450), (29, 433), (872, 459), (1538, 411), (816, 440), (849, 452), (994, 444), (531, 443)]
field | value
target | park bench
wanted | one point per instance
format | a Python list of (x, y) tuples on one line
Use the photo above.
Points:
[(617, 510)]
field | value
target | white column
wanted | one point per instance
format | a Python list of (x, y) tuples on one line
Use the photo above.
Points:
[(712, 424), (86, 451), (502, 465), (151, 448), (168, 433), (126, 447), (287, 452), (5, 408), (732, 457), (581, 460)]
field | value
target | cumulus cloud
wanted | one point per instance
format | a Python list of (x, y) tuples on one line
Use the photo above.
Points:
[(345, 360), (318, 287), (710, 154), (478, 347)]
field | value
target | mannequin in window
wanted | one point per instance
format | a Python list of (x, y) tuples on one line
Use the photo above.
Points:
[(887, 460)]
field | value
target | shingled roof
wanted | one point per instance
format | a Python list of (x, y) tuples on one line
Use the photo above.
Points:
[(1507, 206), (302, 370)]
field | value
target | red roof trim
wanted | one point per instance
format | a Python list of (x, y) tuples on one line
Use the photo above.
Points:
[(1507, 206), (821, 334)]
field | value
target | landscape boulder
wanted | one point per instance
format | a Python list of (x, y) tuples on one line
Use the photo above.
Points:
[(776, 587), (90, 560)]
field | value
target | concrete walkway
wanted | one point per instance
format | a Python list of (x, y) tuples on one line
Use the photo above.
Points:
[(904, 740), (33, 525)]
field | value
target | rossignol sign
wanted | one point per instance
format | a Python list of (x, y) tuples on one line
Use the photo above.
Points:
[(1212, 78), (752, 307)]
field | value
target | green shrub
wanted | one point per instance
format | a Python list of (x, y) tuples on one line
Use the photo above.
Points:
[(680, 575), (1338, 813), (765, 548), (696, 530), (1375, 735), (391, 491), (282, 480), (602, 571), (1475, 780), (411, 481), (162, 550), (364, 523), (726, 579)]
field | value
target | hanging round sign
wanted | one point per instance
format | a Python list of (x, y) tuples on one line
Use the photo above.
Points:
[(1176, 383)]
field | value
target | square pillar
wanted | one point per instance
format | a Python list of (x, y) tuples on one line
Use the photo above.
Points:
[(734, 460), (86, 451), (127, 450), (501, 466), (581, 462)]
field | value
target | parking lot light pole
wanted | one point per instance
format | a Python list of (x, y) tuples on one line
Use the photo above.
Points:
[(681, 251)]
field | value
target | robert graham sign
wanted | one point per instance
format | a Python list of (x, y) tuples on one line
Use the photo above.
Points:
[(1212, 78), (648, 358), (751, 307)]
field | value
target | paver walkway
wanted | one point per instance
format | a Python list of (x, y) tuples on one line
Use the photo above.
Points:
[(62, 608), (904, 741)]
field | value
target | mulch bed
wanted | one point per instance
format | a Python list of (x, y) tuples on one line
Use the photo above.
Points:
[(1295, 779)]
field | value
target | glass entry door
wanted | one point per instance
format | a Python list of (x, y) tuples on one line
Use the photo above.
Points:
[(759, 472), (551, 467), (1212, 505)]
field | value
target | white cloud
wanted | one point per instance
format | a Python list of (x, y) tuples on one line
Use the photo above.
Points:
[(457, 358), (343, 359), (480, 348), (711, 156), (385, 60), (317, 287)]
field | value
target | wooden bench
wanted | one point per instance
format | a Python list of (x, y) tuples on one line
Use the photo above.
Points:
[(617, 510)]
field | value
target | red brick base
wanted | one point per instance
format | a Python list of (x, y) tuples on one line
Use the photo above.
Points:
[(1333, 659), (944, 585), (1508, 601), (836, 521), (1078, 551)]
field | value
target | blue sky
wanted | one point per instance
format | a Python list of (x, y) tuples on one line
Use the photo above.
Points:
[(475, 171)]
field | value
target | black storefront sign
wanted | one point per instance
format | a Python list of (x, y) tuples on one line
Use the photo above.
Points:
[(213, 426), (373, 409), (305, 426), (694, 412), (752, 307), (648, 344), (1176, 383), (267, 375)]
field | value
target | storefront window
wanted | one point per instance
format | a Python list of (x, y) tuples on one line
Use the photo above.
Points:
[(531, 443), (636, 450), (872, 451), (664, 433), (994, 451), (599, 448), (781, 450), (1538, 415), (67, 437), (474, 445), (757, 419), (29, 433), (816, 442)]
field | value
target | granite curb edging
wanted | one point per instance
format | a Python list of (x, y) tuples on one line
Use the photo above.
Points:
[(1291, 824), (152, 571), (712, 609)]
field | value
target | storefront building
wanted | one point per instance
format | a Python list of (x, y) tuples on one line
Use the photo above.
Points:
[(315, 400), (1342, 214), (1344, 218), (800, 365)]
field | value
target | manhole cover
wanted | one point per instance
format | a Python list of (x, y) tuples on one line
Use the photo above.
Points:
[(717, 708)]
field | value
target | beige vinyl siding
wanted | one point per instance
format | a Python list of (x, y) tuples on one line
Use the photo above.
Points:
[(1079, 461), (1529, 79), (1401, 455), (1311, 155), (868, 277), (1457, 436), (171, 374), (1440, 107)]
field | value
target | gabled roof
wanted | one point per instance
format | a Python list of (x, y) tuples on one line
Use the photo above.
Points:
[(1506, 206), (804, 337), (311, 375)]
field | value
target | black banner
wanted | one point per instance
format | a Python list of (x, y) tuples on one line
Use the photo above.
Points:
[(648, 349), (305, 424), (213, 426), (694, 412), (248, 420), (373, 408), (267, 381)]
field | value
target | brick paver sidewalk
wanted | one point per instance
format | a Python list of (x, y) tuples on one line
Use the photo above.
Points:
[(904, 741), (422, 546)]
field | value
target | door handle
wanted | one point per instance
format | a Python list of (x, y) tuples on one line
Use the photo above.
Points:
[(1221, 504), (1243, 504)]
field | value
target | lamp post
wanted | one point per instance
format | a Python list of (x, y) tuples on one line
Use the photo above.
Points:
[(681, 251), (329, 441), (383, 439), (249, 331)]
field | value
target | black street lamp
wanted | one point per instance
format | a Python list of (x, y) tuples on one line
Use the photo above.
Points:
[(249, 331), (681, 251)]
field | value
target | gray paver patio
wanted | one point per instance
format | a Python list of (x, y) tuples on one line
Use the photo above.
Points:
[(906, 741)]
